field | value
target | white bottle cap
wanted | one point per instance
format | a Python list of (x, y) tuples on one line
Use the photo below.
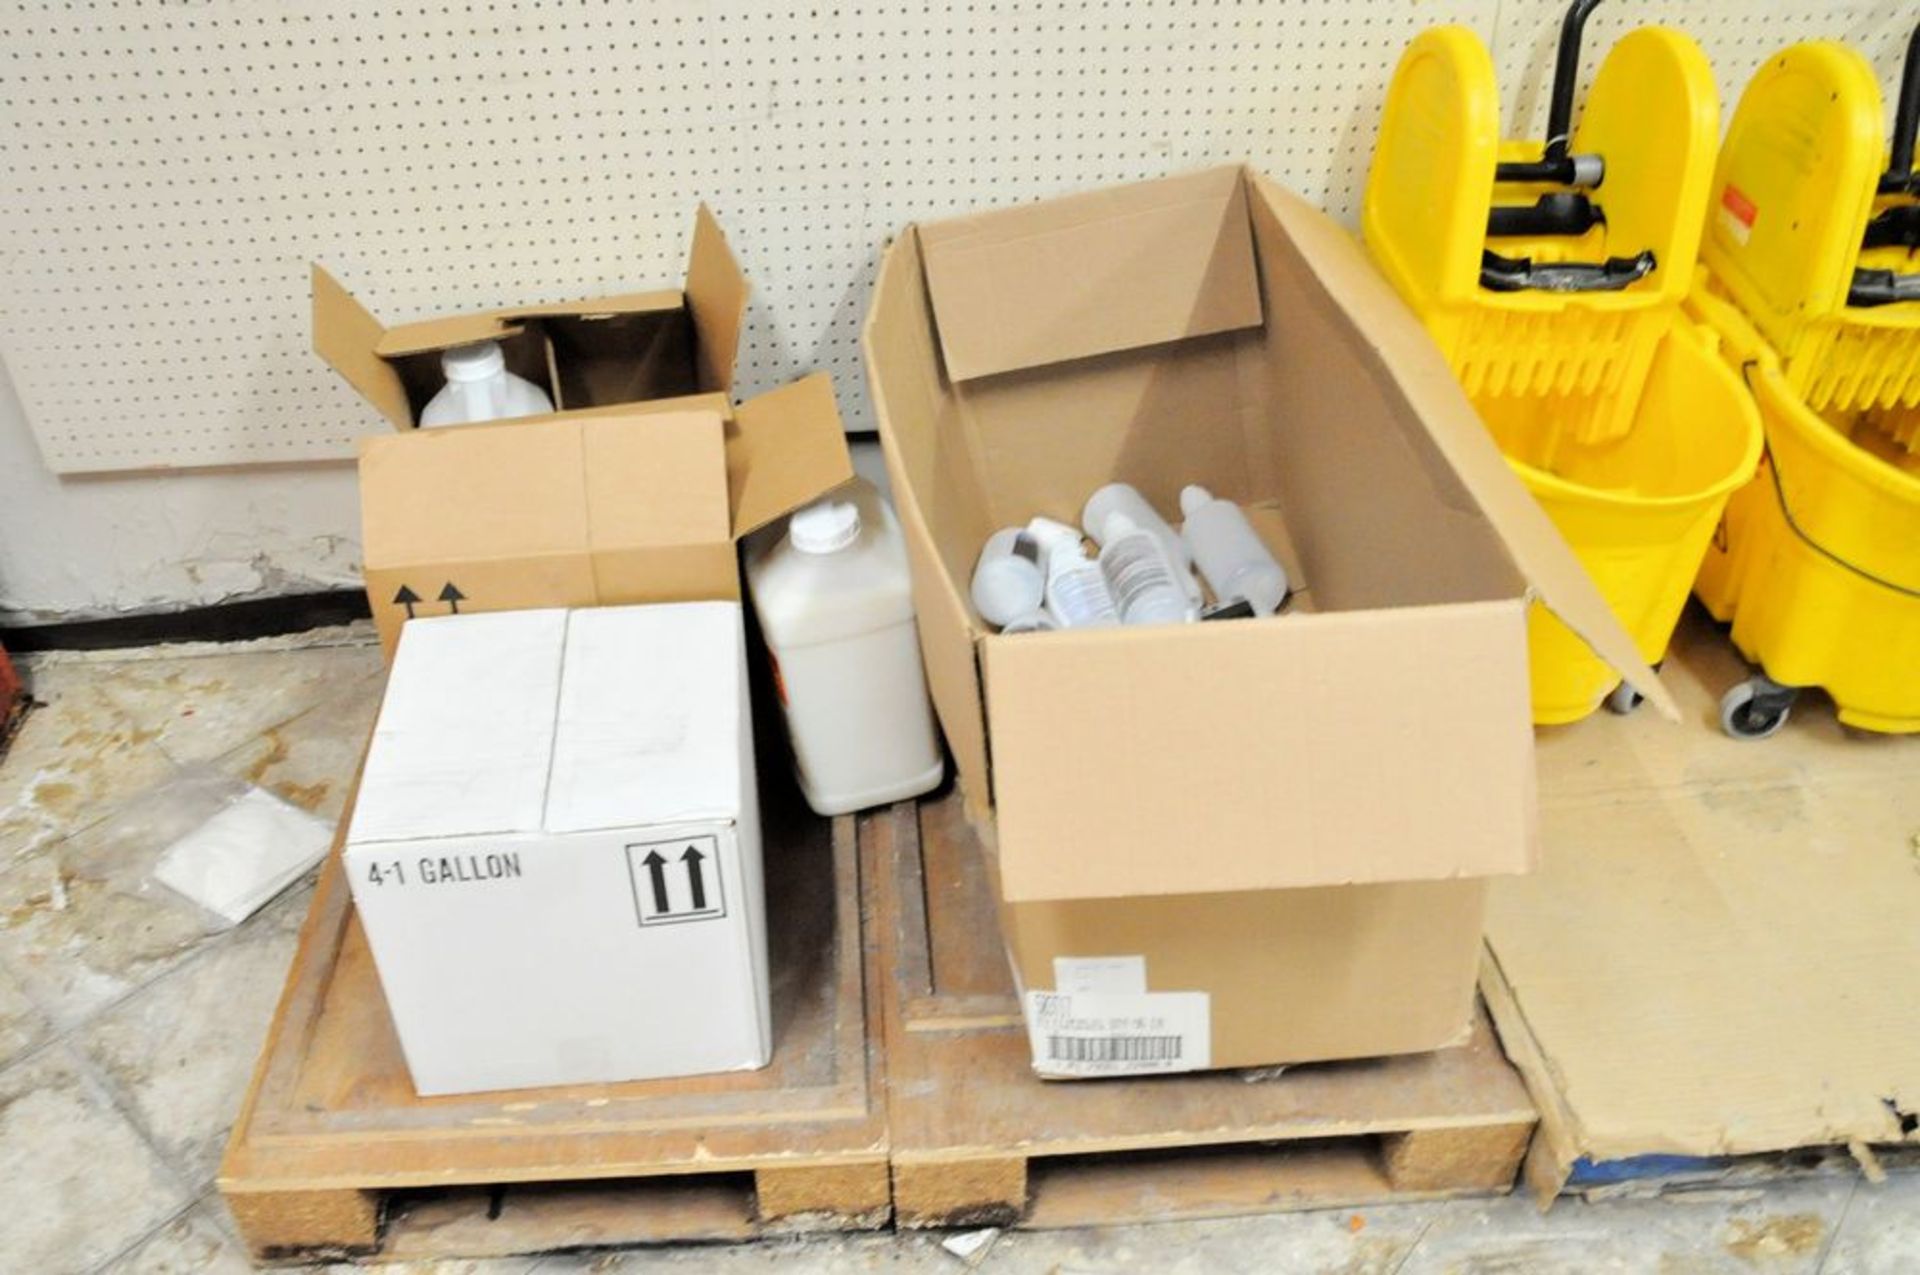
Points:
[(1194, 497), (473, 362), (825, 526)]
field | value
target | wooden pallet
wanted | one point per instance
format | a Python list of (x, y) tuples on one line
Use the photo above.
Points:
[(977, 1139), (333, 1153)]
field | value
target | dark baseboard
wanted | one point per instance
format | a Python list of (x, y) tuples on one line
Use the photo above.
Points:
[(227, 622)]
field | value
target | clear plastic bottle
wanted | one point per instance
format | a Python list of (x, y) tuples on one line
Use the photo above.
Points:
[(835, 606), (1235, 561), (1010, 580), (479, 388), (1124, 498), (1077, 593), (1146, 587)]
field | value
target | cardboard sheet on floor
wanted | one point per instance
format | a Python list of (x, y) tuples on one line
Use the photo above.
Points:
[(1719, 951)]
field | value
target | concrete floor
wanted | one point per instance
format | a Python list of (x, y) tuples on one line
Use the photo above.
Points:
[(128, 1027)]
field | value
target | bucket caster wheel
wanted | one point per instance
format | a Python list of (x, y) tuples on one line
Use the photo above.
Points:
[(1755, 708), (1623, 699)]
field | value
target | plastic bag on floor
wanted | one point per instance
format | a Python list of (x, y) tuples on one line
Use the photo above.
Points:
[(250, 846)]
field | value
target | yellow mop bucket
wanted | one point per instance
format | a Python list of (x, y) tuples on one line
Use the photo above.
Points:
[(1551, 275), (1639, 511), (1818, 566), (1813, 243)]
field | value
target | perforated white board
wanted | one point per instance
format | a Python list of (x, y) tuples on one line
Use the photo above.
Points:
[(171, 169)]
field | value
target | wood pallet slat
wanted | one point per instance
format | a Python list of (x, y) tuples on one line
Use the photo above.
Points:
[(333, 1152), (977, 1138)]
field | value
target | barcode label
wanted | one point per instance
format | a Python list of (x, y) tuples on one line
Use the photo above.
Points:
[(1075, 1033), (1152, 1049)]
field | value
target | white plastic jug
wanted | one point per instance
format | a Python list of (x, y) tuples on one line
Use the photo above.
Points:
[(1236, 562), (835, 606), (1124, 498), (479, 388), (1146, 586)]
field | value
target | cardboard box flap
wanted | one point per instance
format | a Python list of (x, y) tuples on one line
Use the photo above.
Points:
[(1406, 355), (717, 296), (460, 750), (649, 742), (445, 333), (1091, 274), (345, 334), (493, 325), (785, 448)]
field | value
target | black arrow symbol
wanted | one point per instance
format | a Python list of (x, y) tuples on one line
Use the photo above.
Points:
[(452, 596), (657, 869), (696, 880), (406, 598)]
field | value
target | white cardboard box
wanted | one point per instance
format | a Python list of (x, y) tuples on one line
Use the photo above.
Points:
[(556, 848)]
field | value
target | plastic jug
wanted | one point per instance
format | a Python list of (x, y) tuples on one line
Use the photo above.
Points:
[(833, 596), (1077, 596), (1124, 498), (479, 388), (1010, 580), (1146, 586), (1235, 561)]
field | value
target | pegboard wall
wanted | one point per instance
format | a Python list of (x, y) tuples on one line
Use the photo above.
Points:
[(172, 168)]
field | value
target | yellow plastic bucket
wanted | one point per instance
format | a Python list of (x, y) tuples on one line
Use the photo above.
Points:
[(1638, 510), (1819, 563)]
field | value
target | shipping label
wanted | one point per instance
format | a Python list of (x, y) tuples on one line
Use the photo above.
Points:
[(1118, 1033)]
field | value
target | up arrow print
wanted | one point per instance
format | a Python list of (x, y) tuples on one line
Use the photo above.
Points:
[(696, 879), (449, 595), (657, 871), (406, 598)]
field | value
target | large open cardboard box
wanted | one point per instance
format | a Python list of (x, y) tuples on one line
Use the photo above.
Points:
[(1264, 840), (673, 343)]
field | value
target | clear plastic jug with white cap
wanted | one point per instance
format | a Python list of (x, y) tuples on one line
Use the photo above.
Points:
[(479, 388), (1236, 562), (836, 609)]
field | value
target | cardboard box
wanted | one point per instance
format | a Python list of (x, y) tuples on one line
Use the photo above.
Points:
[(599, 508), (1284, 824), (609, 351), (555, 850)]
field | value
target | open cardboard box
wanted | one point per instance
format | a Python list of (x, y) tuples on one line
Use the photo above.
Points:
[(595, 508), (1247, 842), (609, 351)]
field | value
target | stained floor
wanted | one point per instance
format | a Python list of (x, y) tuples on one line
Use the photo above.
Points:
[(129, 1024)]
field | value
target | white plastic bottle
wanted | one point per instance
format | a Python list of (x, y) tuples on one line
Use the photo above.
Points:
[(1146, 587), (833, 596), (1124, 498), (1010, 579), (1235, 561), (479, 388), (1077, 593)]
